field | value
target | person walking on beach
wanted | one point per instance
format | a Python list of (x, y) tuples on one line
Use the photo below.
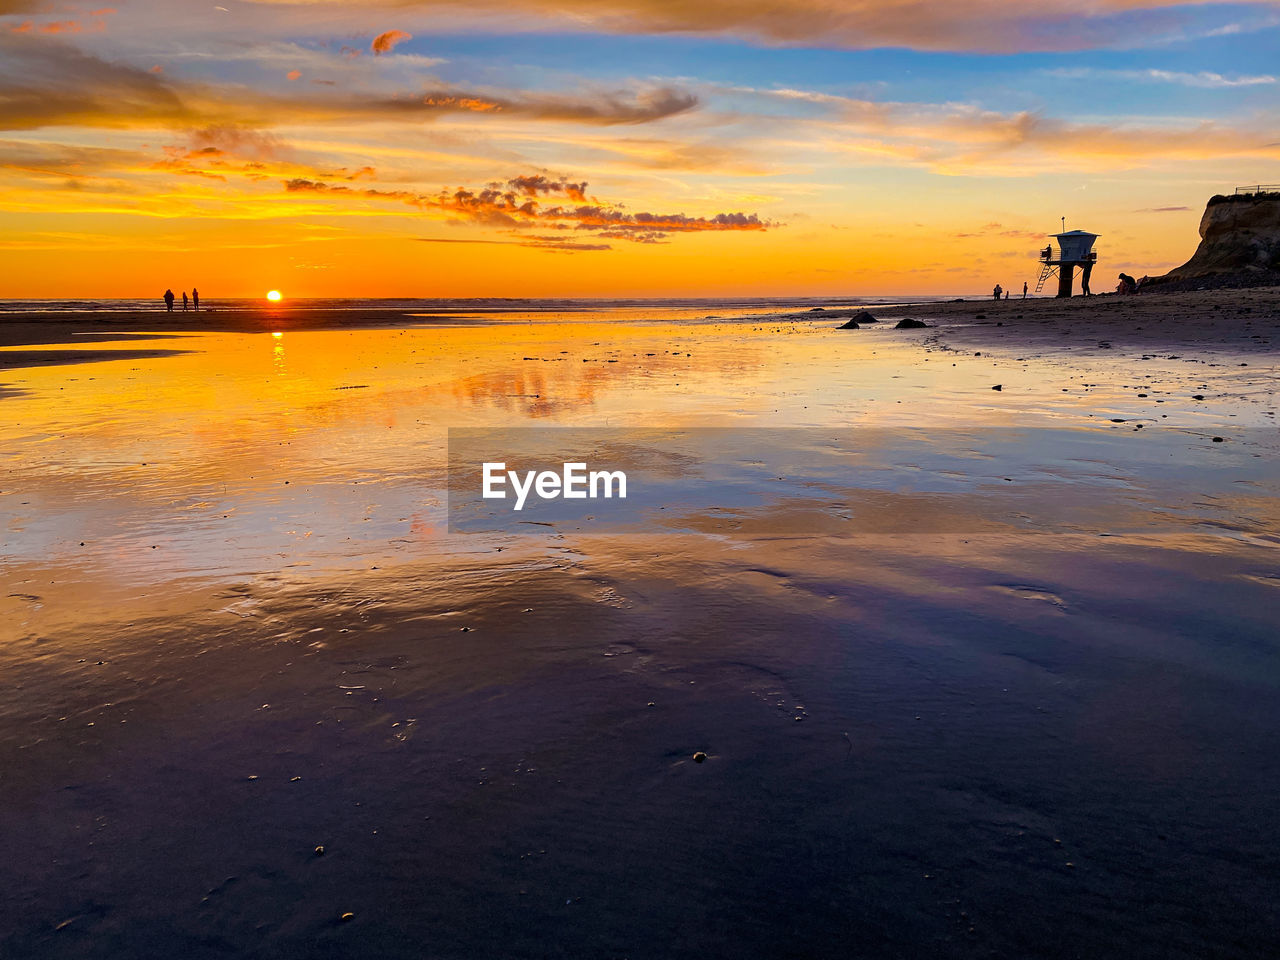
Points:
[(184, 301), (1084, 277), (195, 299), (1024, 291), (168, 300), (997, 291)]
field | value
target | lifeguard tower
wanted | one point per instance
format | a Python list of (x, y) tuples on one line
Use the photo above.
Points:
[(1075, 249)]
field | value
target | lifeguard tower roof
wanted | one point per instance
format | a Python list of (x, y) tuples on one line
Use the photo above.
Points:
[(1075, 244)]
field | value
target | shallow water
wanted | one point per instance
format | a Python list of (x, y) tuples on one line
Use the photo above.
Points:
[(239, 627)]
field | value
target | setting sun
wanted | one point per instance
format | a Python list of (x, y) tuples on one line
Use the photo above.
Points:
[(274, 296)]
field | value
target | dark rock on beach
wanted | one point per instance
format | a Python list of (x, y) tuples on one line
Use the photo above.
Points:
[(857, 319)]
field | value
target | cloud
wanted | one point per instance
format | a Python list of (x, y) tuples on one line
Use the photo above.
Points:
[(1204, 79), (1209, 80), (237, 142), (535, 184), (1162, 209), (386, 42), (665, 154), (68, 161), (512, 205), (602, 107), (47, 83), (991, 26), (61, 26), (537, 243), (998, 230), (959, 138)]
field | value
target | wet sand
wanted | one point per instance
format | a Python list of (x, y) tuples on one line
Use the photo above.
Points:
[(238, 632)]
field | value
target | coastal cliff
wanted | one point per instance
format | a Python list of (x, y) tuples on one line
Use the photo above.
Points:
[(1239, 243)]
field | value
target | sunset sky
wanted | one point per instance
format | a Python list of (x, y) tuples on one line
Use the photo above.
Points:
[(615, 147)]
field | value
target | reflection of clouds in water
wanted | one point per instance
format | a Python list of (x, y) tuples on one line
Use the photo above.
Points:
[(329, 447)]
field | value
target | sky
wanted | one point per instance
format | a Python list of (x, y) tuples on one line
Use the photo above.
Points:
[(607, 148)]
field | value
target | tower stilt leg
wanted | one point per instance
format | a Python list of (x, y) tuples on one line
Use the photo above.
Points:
[(1066, 274)]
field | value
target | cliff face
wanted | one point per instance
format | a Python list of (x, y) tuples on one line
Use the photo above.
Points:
[(1238, 235)]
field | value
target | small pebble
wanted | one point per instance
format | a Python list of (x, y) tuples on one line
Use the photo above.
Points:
[(699, 757)]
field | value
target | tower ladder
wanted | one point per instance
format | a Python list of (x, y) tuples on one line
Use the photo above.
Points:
[(1047, 271)]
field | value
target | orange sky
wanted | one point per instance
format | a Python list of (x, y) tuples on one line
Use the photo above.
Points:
[(545, 149)]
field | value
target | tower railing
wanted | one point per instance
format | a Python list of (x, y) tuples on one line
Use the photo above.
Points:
[(1050, 255)]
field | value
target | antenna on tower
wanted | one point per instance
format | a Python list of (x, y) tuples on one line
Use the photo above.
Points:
[(1064, 224)]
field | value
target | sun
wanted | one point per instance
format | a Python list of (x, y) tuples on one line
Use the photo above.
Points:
[(274, 296)]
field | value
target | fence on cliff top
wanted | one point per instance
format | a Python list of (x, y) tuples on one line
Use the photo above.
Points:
[(1258, 188)]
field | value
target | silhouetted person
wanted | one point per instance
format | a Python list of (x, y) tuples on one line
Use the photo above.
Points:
[(997, 291), (195, 299), (1006, 294), (168, 300), (1024, 290), (184, 301), (1084, 277), (1127, 284)]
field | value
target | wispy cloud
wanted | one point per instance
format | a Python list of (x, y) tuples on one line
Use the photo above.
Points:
[(996, 26), (961, 138), (46, 83), (1000, 230), (1205, 79), (551, 244)]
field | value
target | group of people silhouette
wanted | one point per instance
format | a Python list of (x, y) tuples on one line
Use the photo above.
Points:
[(195, 298), (1000, 293)]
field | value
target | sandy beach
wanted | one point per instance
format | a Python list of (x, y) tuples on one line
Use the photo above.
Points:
[(1209, 317), (262, 701)]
